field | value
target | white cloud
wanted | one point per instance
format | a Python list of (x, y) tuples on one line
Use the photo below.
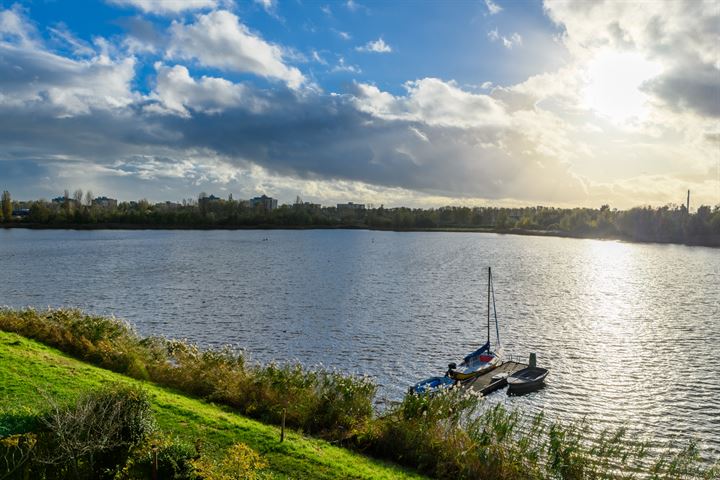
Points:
[(33, 75), (14, 28), (167, 7), (62, 35), (343, 35), (316, 57), (493, 8), (176, 92), (432, 102), (72, 87), (268, 5), (508, 42), (376, 46), (218, 39), (344, 67)]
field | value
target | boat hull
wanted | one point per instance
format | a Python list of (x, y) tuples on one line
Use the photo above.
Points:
[(526, 380), (432, 385)]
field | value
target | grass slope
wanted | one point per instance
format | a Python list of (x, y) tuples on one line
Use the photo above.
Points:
[(26, 367)]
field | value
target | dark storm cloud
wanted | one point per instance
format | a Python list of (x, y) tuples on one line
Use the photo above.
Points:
[(695, 87)]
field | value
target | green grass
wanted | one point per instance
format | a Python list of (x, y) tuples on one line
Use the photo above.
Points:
[(27, 368)]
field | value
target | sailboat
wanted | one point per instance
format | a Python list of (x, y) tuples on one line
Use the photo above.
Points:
[(485, 358), (482, 360)]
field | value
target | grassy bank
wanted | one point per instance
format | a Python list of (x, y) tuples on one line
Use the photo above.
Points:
[(30, 371), (445, 436)]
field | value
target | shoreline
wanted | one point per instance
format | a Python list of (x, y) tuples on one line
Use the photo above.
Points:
[(713, 242)]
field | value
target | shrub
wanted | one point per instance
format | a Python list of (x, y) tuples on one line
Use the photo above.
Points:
[(174, 460), (240, 463), (93, 437)]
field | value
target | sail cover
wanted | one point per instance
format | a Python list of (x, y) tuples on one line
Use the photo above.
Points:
[(479, 351)]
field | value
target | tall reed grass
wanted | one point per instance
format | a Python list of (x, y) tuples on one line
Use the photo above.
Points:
[(321, 402)]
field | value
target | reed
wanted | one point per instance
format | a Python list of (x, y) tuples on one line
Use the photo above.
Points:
[(321, 401)]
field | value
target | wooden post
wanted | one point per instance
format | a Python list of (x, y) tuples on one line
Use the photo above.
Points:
[(533, 360), (282, 425), (155, 462)]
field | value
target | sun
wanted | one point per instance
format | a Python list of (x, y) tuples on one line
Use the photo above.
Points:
[(614, 81)]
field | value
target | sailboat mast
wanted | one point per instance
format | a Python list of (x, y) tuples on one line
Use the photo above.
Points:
[(497, 327), (488, 307)]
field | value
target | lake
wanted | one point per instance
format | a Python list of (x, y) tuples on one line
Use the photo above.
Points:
[(630, 332)]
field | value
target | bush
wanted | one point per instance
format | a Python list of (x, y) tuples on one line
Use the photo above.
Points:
[(174, 460), (93, 437), (240, 463)]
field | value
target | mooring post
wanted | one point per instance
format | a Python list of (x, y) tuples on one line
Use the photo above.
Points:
[(533, 360), (282, 425)]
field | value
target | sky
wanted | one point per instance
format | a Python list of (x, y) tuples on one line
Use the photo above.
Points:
[(423, 104)]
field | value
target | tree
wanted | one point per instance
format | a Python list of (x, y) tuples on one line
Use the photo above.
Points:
[(78, 197), (6, 206), (39, 212), (66, 203), (88, 198)]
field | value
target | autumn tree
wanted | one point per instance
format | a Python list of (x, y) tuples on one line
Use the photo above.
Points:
[(6, 206)]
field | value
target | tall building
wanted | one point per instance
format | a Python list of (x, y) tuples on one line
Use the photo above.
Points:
[(350, 206), (264, 201), (105, 202)]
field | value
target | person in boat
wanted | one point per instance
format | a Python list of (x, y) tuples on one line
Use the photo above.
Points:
[(451, 371)]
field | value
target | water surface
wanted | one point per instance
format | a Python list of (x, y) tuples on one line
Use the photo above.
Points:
[(631, 332)]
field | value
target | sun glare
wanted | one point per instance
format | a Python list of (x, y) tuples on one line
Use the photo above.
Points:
[(613, 85)]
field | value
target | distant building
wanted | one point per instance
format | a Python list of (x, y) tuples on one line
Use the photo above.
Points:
[(204, 202), (60, 201), (168, 205), (21, 212), (264, 201), (350, 206), (211, 198), (105, 202)]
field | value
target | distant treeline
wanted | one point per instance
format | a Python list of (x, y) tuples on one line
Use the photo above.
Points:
[(670, 223)]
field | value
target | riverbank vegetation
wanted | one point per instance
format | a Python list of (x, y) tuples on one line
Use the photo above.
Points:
[(671, 223), (445, 436), (191, 438)]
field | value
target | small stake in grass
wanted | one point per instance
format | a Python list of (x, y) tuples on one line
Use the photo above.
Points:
[(282, 425), (155, 462)]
